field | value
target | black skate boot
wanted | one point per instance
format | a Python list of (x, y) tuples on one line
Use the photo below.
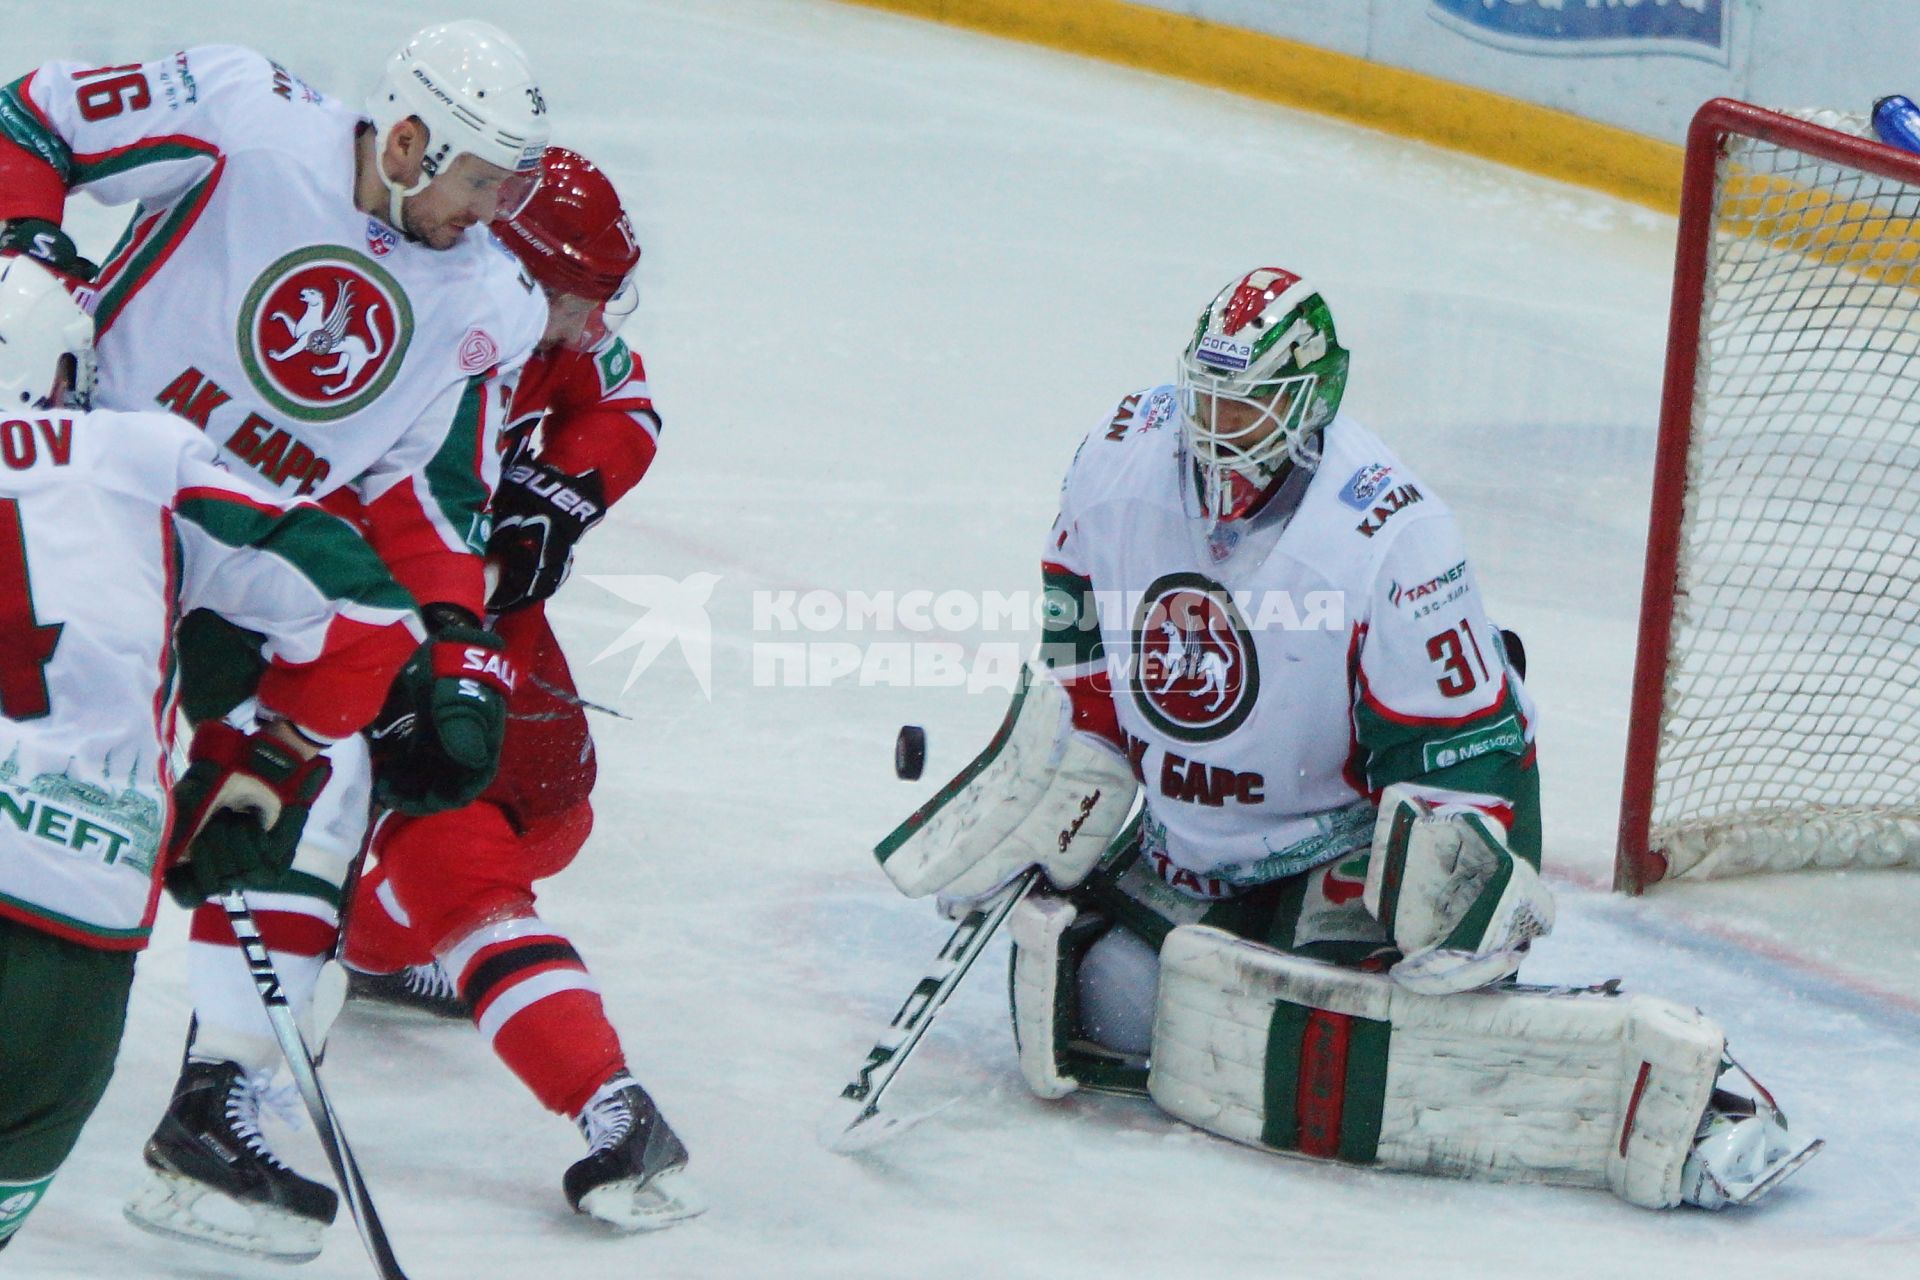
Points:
[(634, 1174), (425, 987), (214, 1180)]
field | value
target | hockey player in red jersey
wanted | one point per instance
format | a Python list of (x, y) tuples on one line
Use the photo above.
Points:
[(449, 909)]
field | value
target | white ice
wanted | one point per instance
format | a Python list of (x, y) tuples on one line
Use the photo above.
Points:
[(893, 272)]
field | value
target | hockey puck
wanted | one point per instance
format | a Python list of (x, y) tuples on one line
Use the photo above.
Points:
[(909, 752)]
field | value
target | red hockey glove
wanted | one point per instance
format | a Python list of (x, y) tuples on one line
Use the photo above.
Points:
[(238, 811)]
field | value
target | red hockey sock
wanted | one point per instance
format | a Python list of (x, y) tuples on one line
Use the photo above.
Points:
[(534, 1000), (377, 941)]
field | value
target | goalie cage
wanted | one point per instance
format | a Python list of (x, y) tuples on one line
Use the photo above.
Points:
[(1777, 681)]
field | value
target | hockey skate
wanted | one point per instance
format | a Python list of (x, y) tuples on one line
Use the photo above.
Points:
[(1742, 1150), (215, 1181), (634, 1173), (425, 987)]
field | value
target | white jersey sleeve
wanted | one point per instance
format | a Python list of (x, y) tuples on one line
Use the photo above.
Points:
[(152, 131), (298, 575), (1436, 703), (1072, 646)]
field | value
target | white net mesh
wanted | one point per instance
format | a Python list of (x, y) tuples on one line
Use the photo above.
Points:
[(1793, 687)]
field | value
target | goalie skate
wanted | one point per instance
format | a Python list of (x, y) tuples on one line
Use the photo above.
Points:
[(213, 1179), (633, 1176), (1742, 1150)]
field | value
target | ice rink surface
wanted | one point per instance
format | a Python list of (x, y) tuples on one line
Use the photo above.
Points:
[(893, 273)]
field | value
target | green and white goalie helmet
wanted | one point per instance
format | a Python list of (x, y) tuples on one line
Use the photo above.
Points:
[(41, 329), (1262, 375), (473, 89)]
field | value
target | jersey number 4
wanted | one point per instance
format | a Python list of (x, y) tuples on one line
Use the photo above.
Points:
[(26, 644)]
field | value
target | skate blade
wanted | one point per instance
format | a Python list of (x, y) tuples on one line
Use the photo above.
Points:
[(182, 1209), (633, 1205), (1779, 1173)]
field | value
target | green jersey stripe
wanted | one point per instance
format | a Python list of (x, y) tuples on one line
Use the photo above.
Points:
[(454, 483), (148, 258), (325, 549), (64, 926), (22, 124)]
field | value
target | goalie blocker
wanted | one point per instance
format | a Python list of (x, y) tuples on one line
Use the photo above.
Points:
[(1039, 795)]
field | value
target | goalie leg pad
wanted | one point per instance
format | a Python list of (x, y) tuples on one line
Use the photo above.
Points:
[(1051, 938), (1461, 906), (1040, 794), (1584, 1088)]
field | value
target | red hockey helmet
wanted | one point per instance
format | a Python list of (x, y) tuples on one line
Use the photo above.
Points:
[(574, 238)]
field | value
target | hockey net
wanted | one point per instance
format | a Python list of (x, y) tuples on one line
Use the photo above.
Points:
[(1776, 707)]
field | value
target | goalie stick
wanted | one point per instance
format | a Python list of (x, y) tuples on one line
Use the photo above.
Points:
[(325, 1122), (845, 1133)]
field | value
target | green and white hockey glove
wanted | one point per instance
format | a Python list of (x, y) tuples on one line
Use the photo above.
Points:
[(1461, 906), (436, 743), (238, 811), (47, 244)]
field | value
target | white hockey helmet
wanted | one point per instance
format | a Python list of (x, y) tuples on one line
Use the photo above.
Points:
[(470, 85), (40, 326)]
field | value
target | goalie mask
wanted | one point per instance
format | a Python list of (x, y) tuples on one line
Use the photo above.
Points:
[(46, 340), (1259, 380)]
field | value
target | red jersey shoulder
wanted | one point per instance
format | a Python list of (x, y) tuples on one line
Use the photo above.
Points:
[(559, 378)]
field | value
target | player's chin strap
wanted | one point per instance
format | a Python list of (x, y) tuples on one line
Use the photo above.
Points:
[(396, 194)]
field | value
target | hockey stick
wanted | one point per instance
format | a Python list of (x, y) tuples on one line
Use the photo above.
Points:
[(573, 699), (845, 1133), (325, 1121)]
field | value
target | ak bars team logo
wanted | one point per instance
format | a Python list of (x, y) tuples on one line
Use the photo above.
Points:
[(1194, 674), (322, 332)]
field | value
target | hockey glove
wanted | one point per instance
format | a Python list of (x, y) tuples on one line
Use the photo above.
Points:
[(238, 811), (436, 743), (539, 513), (47, 244)]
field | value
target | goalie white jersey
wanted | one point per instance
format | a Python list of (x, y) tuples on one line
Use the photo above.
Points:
[(314, 345), (112, 526), (1267, 684)]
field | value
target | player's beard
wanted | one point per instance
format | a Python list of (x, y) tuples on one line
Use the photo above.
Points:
[(440, 237)]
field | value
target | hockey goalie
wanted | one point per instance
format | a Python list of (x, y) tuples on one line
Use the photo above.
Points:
[(1304, 935)]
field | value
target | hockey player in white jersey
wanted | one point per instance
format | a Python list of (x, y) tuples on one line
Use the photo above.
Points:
[(315, 289), (111, 525), (1263, 622)]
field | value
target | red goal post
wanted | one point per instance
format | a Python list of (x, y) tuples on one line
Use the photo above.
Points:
[(1775, 718)]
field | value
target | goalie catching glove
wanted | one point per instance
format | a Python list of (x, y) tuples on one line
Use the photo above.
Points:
[(238, 811), (540, 512), (1461, 906), (1039, 795), (436, 742)]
